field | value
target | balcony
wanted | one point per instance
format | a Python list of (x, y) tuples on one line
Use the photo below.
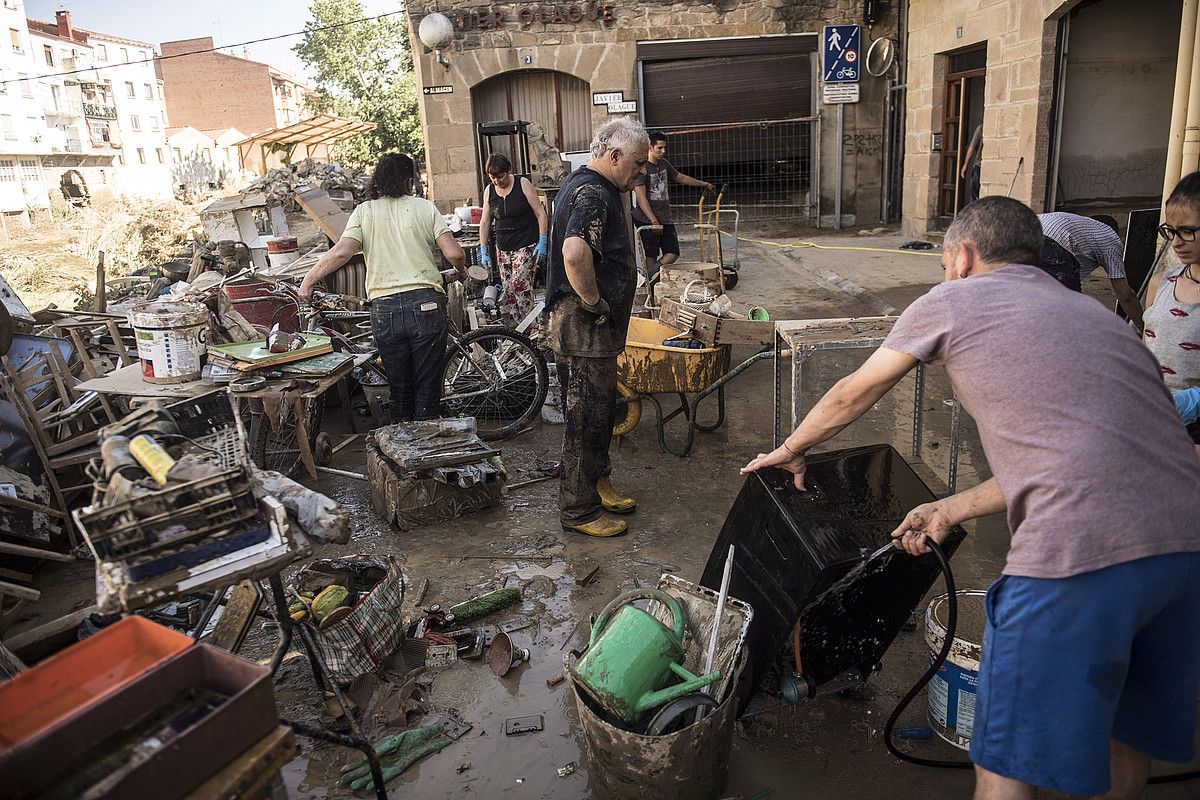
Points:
[(64, 108), (99, 111)]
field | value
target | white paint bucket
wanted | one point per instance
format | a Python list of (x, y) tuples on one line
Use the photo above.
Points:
[(952, 691), (282, 250), (170, 340)]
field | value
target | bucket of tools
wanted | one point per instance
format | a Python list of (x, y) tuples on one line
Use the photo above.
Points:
[(666, 754)]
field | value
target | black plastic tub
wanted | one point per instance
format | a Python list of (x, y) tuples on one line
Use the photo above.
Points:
[(803, 556)]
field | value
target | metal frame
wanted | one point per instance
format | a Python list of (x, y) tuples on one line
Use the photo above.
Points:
[(797, 340)]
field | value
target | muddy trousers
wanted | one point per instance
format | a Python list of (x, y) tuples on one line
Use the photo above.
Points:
[(589, 389)]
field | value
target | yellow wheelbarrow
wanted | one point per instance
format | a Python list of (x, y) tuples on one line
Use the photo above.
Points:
[(648, 368)]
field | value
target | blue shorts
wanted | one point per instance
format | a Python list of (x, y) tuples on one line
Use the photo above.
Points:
[(1069, 663)]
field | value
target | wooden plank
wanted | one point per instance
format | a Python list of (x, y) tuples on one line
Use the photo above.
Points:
[(36, 643), (249, 775), (33, 552), (254, 355), (15, 575), (322, 210), (29, 505), (22, 592), (128, 381), (236, 618)]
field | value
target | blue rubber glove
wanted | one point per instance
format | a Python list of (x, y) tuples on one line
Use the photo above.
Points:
[(485, 256), (543, 246), (1187, 401)]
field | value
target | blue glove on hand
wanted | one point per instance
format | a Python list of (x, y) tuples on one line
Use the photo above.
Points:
[(1187, 402), (543, 246), (485, 257)]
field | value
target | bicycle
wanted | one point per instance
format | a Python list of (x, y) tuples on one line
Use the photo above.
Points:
[(491, 373)]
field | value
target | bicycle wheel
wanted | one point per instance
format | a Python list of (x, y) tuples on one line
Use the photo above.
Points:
[(279, 448), (497, 376)]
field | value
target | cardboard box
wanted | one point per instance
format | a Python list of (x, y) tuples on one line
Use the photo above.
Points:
[(164, 770), (411, 499)]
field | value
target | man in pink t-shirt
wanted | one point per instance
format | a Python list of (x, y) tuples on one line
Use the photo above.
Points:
[(1091, 652)]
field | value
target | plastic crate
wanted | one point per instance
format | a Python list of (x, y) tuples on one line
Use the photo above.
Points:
[(156, 524)]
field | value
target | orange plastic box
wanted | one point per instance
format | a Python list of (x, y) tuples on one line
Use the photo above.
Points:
[(70, 681)]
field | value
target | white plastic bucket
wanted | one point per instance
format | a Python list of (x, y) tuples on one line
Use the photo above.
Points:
[(952, 691), (282, 250), (170, 340)]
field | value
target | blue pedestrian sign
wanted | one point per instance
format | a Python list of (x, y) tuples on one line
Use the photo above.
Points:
[(840, 51)]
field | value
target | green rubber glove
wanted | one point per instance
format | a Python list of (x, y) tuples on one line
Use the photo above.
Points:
[(396, 753)]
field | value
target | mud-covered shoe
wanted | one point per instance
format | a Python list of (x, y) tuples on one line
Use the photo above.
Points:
[(612, 500), (601, 527)]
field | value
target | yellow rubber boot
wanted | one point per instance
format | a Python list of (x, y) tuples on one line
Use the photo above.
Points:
[(601, 527), (612, 500)]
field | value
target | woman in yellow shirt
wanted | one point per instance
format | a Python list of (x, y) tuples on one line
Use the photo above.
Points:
[(397, 233)]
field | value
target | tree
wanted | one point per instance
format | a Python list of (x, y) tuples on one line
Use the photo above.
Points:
[(363, 71)]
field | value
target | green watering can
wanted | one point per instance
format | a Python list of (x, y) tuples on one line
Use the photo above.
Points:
[(628, 661)]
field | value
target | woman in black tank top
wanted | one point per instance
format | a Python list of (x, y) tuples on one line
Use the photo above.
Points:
[(512, 211)]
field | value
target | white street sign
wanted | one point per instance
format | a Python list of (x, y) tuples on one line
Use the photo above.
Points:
[(834, 93)]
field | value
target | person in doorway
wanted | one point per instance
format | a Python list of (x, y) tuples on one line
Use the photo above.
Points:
[(520, 235), (591, 278), (1172, 314), (1095, 243), (970, 169), (1092, 623), (397, 234), (652, 205)]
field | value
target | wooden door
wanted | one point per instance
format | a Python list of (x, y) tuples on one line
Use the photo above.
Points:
[(963, 69)]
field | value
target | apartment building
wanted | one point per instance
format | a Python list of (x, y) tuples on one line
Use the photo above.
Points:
[(204, 160), (24, 137), (144, 164), (78, 110), (210, 90)]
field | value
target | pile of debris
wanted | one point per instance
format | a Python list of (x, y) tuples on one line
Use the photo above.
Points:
[(282, 184)]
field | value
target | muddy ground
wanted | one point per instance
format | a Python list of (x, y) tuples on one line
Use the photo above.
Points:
[(827, 748)]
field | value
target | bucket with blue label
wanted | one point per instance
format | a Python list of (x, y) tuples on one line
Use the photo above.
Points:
[(952, 690)]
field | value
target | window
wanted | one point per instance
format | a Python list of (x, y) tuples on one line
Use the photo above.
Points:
[(149, 91), (8, 170), (15, 36), (134, 122), (208, 155), (130, 91), (160, 97), (125, 55), (119, 161), (158, 152), (6, 122), (55, 97), (30, 172), (144, 55), (153, 122), (141, 155), (101, 54), (104, 179), (26, 86), (176, 152), (49, 53)]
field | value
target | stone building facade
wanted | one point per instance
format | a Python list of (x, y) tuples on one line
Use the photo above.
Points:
[(734, 83), (1076, 100)]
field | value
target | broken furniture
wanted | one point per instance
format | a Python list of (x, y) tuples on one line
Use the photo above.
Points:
[(421, 472), (828, 597), (653, 364), (689, 759), (143, 712), (52, 422), (137, 532), (796, 341)]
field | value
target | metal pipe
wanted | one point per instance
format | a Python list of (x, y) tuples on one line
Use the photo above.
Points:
[(837, 179), (1191, 134), (1179, 104), (711, 655)]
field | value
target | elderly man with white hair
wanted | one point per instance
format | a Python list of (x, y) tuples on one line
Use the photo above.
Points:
[(591, 278)]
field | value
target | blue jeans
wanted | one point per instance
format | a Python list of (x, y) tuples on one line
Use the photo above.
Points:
[(410, 335)]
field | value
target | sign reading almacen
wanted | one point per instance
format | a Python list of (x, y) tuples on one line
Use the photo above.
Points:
[(493, 17)]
